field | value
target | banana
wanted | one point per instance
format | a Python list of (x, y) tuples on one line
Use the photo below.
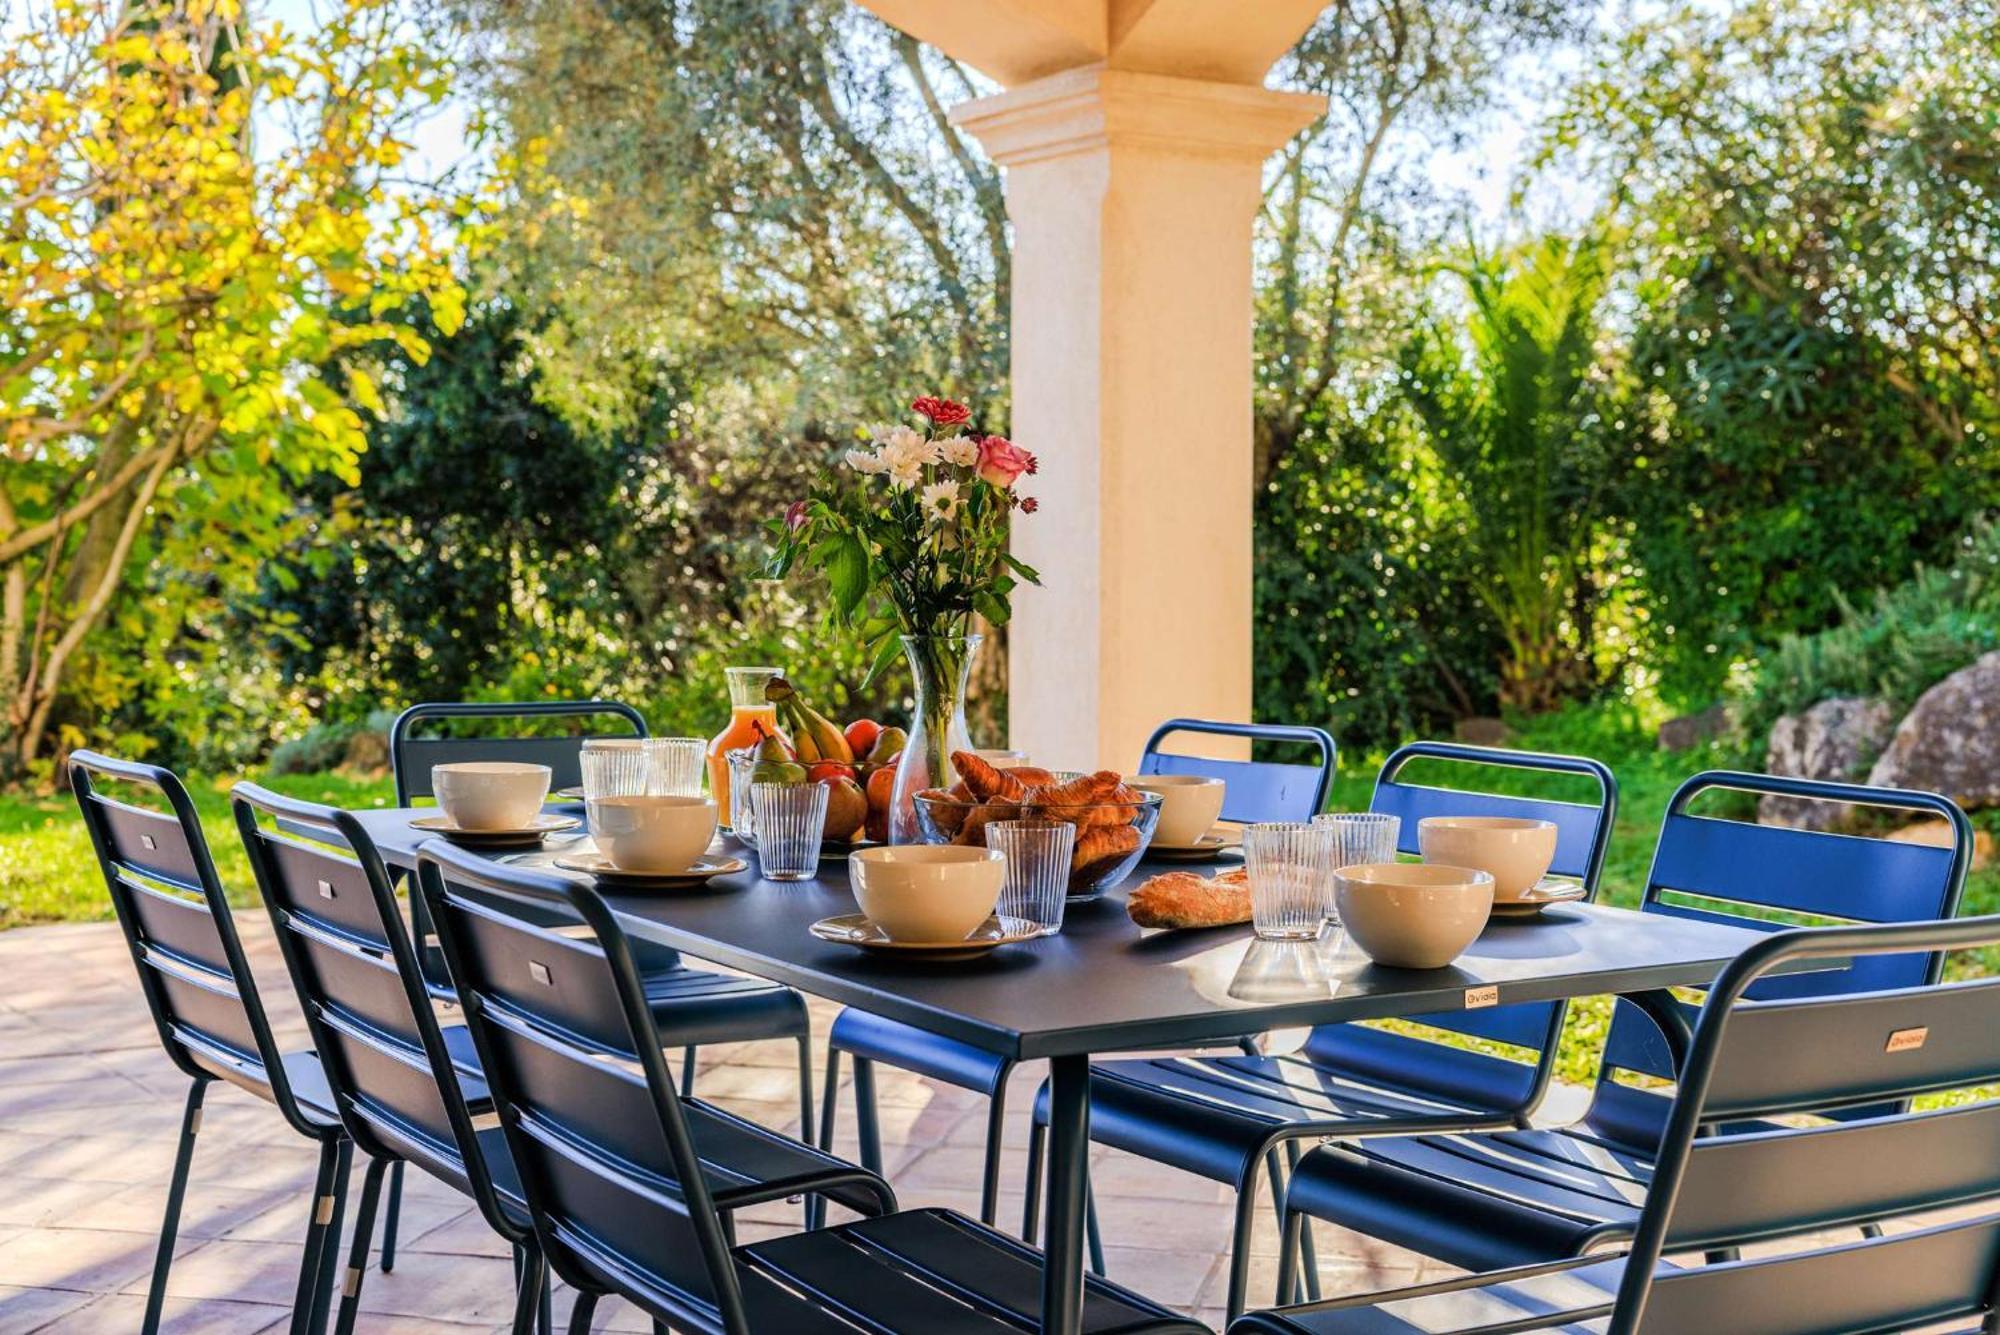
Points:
[(814, 736)]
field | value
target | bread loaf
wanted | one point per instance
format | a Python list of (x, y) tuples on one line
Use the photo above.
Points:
[(1183, 899)]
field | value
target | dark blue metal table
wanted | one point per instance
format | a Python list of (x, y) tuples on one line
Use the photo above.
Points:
[(1104, 985)]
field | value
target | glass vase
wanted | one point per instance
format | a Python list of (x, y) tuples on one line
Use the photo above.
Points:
[(939, 668)]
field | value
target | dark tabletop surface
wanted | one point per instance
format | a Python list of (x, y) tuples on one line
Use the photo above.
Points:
[(1105, 985)]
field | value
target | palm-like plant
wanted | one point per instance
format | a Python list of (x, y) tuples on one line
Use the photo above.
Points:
[(1507, 400)]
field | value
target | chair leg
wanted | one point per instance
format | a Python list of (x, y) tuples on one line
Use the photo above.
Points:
[(357, 1254), (1038, 1136), (829, 1102), (329, 1185), (812, 1202), (1239, 1241), (170, 1225), (327, 1267), (391, 1216), (1093, 1239), (687, 1072), (1308, 1249), (1288, 1255), (866, 1122), (531, 1280), (579, 1317), (989, 1182)]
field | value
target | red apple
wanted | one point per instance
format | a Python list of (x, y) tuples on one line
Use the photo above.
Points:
[(827, 771), (861, 735), (846, 809)]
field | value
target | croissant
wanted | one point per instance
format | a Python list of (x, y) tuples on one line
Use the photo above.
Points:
[(1082, 800), (976, 820), (984, 780), (1097, 846), (944, 809)]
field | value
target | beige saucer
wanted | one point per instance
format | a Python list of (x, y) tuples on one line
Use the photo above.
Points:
[(1546, 894), (531, 833), (705, 868), (573, 793), (854, 929), (1205, 849)]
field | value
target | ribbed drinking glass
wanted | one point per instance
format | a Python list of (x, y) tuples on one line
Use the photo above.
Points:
[(1354, 838), (790, 818), (1290, 888), (1036, 884), (615, 767), (677, 764)]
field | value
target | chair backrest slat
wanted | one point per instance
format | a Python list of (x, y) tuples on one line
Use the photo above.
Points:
[(1725, 1183), (1254, 790), (1583, 830), (178, 925), (411, 754), (616, 1187), (395, 1083), (1705, 865)]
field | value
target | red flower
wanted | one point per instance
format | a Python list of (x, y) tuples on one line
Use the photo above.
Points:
[(942, 412), (795, 516), (1001, 461), (1029, 505)]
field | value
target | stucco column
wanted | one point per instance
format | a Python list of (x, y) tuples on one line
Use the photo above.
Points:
[(1132, 197)]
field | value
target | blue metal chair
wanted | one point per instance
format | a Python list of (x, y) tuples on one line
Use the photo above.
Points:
[(1527, 1196), (1222, 1117), (699, 1005), (406, 1088), (204, 1002), (1840, 1070), (626, 1196), (1256, 790)]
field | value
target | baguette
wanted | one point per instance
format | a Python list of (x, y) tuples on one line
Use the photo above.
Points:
[(1183, 899)]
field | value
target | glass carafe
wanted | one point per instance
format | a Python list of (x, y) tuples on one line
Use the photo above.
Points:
[(751, 718)]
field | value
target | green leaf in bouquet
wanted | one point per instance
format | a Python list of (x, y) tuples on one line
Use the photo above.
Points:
[(993, 608), (847, 573), (886, 655), (1022, 568)]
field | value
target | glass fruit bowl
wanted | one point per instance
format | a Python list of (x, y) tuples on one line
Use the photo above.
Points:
[(1111, 836)]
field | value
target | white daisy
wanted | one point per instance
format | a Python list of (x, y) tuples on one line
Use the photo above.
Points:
[(960, 450), (866, 461), (941, 499)]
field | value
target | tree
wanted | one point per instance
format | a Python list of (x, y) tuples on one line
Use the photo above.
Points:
[(1508, 403), (1810, 196), (191, 202)]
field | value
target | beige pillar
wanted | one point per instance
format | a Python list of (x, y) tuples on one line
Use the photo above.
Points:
[(1132, 196)]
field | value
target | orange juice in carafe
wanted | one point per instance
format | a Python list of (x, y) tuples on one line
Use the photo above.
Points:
[(749, 712)]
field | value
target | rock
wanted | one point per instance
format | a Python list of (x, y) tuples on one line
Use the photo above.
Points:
[(1835, 739), (1691, 730), (1938, 835), (1948, 743), (1482, 732)]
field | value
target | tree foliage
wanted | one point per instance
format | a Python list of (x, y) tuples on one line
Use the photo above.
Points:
[(1811, 192), (190, 202)]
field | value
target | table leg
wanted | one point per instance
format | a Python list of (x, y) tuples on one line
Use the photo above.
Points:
[(1069, 1160), (1666, 1013)]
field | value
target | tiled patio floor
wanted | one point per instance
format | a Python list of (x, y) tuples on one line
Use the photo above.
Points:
[(89, 1109)]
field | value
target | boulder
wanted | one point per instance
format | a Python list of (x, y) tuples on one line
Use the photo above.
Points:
[(1938, 835), (367, 751), (1835, 739), (1949, 742), (1691, 730)]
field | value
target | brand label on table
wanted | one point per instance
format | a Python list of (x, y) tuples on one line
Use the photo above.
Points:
[(1475, 997), (1907, 1040)]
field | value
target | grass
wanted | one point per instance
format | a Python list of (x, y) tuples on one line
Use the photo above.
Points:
[(49, 874)]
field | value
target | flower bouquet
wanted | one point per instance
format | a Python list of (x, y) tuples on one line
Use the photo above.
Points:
[(912, 537)]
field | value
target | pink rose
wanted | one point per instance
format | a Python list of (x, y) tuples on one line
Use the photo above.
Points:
[(1001, 461)]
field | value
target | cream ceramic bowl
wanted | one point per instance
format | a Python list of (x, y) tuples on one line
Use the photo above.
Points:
[(927, 892), (1517, 851), (490, 794), (1413, 915), (1189, 805), (656, 833)]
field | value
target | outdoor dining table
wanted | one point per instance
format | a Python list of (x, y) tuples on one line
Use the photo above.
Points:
[(1103, 985)]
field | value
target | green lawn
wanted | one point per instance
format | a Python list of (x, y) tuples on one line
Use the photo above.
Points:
[(48, 873)]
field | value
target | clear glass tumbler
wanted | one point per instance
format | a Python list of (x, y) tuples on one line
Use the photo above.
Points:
[(790, 819), (615, 767), (1037, 878), (1356, 837), (677, 764), (1290, 886)]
